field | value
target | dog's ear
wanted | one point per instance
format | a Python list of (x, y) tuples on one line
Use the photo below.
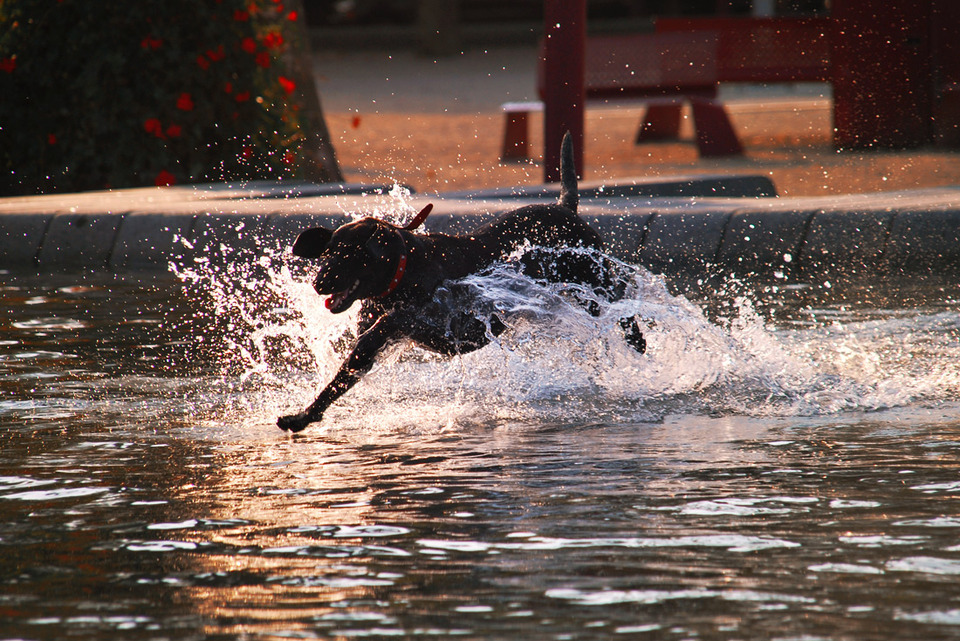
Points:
[(311, 242)]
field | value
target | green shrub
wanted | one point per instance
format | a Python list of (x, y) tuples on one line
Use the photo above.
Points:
[(104, 94)]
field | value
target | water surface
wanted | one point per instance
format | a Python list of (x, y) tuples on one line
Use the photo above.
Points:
[(790, 473)]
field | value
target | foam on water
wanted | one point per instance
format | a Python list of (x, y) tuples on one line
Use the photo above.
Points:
[(558, 363)]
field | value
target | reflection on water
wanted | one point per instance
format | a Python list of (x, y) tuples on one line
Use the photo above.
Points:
[(801, 481)]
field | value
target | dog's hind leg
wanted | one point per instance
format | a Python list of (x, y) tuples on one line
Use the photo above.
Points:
[(591, 269), (632, 333)]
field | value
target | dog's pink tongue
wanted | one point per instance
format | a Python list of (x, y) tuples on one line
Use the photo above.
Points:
[(335, 301)]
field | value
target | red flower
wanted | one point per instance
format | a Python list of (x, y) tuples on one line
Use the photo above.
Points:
[(228, 87), (243, 96), (273, 40), (248, 44), (246, 153), (292, 16), (289, 158), (263, 59), (8, 64), (149, 42), (51, 139), (202, 62), (185, 102), (165, 179), (217, 54), (241, 16), (174, 131), (288, 85), (153, 126)]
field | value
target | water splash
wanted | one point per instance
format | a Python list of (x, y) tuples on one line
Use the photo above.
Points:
[(557, 362)]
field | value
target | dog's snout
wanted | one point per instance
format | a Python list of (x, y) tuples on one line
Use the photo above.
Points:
[(323, 270), (322, 284)]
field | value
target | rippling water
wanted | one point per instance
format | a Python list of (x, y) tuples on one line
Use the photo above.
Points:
[(785, 473)]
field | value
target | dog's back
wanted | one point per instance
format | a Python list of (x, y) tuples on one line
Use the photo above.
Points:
[(554, 225)]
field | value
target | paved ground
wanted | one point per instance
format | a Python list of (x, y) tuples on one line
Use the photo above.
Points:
[(437, 125)]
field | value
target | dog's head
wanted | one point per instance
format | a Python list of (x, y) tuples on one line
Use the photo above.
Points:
[(362, 259)]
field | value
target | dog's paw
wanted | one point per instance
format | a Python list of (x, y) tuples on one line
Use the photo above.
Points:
[(294, 422)]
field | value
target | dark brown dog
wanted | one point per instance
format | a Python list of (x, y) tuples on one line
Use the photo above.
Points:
[(408, 282)]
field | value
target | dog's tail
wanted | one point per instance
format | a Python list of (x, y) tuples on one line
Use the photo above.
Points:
[(569, 196)]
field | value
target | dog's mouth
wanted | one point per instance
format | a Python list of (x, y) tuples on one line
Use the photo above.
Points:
[(340, 301)]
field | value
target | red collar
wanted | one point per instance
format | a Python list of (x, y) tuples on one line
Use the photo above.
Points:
[(402, 263), (401, 270)]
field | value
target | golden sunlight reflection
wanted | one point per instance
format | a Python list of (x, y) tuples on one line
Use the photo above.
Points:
[(326, 526)]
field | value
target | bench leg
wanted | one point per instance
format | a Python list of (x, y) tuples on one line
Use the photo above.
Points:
[(514, 136), (715, 134), (660, 122)]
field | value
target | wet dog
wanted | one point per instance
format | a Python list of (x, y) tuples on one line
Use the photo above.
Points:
[(409, 282)]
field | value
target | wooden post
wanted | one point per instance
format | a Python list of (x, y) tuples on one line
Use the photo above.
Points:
[(882, 73), (565, 37)]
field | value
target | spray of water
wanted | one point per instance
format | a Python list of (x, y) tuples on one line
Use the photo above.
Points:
[(557, 362)]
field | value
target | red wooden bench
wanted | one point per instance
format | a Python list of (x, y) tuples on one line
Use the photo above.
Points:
[(662, 71), (763, 49), (684, 61)]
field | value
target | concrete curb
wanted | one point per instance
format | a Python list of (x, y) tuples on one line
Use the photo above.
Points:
[(706, 186), (901, 235)]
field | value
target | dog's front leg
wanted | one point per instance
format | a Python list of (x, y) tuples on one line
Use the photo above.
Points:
[(359, 362)]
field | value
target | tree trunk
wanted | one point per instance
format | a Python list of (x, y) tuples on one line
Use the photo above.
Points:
[(322, 165)]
